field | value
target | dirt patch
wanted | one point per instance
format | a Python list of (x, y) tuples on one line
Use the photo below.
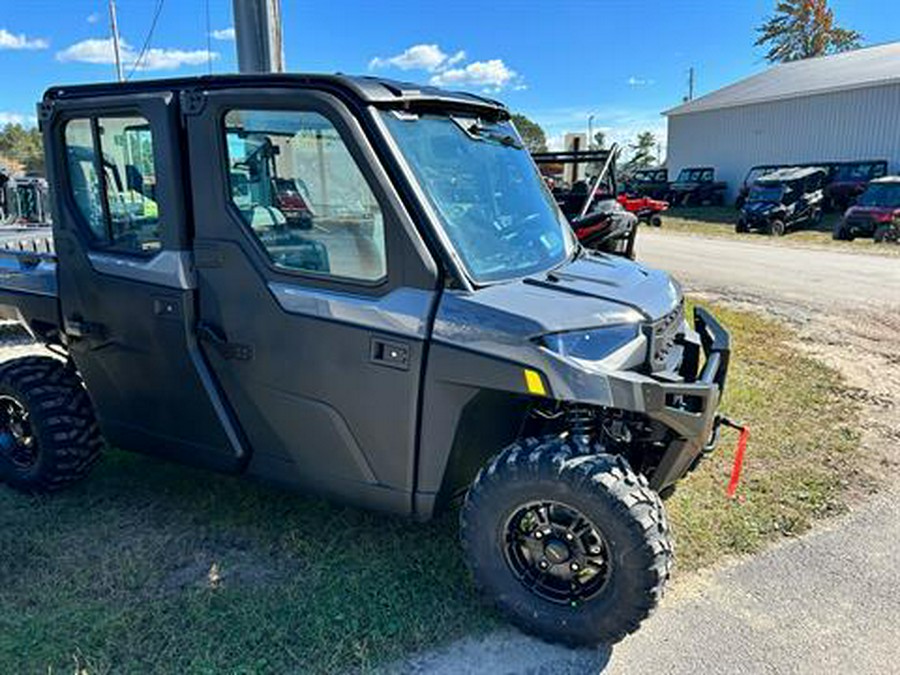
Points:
[(863, 347), (216, 569)]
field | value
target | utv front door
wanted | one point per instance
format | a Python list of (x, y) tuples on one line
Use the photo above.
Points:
[(125, 280), (315, 292)]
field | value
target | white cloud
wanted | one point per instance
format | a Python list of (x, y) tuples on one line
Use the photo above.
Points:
[(493, 74), (93, 17), (639, 81), (21, 41), (419, 57), (223, 34), (100, 51), (17, 118)]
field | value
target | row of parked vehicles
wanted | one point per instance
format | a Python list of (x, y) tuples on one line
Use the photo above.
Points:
[(777, 198)]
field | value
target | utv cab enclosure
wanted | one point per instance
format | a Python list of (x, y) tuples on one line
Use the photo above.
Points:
[(697, 186), (782, 200), (363, 288), (652, 183)]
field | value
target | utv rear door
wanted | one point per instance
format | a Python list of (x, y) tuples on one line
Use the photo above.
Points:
[(315, 291), (124, 276)]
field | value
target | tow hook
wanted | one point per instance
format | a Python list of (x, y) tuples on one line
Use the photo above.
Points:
[(721, 421)]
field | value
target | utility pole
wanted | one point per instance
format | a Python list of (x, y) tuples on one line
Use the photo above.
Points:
[(690, 96), (257, 26), (114, 27)]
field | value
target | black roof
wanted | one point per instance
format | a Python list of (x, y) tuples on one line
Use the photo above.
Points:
[(370, 90), (790, 174)]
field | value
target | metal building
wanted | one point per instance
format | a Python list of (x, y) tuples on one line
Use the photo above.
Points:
[(829, 108)]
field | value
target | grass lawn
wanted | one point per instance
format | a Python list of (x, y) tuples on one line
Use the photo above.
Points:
[(719, 221), (149, 567)]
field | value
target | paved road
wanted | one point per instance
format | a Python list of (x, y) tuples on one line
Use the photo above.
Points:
[(809, 276), (825, 602)]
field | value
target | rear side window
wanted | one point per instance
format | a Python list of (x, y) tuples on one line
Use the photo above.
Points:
[(301, 193), (112, 177)]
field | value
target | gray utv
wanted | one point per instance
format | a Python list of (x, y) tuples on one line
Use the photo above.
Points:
[(363, 288)]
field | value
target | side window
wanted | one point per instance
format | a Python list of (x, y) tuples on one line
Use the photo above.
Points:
[(83, 179), (707, 176), (299, 190), (115, 191)]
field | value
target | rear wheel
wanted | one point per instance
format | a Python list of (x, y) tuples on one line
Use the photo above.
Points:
[(48, 435), (741, 226), (571, 548), (777, 228)]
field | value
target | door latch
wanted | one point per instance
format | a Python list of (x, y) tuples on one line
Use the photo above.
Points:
[(390, 353)]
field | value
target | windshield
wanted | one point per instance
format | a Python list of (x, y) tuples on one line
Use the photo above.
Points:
[(765, 193), (881, 194), (861, 171), (497, 212), (694, 175)]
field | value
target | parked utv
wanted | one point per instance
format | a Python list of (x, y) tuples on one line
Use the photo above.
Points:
[(782, 200), (24, 201), (878, 205), (652, 183), (755, 172), (646, 209), (848, 180), (697, 186), (437, 333), (600, 222)]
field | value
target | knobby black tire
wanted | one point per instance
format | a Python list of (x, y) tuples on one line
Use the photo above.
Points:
[(603, 487), (62, 423)]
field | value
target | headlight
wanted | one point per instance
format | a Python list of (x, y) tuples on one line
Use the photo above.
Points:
[(591, 345)]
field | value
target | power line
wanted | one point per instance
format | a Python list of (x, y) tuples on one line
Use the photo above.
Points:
[(208, 40), (143, 52)]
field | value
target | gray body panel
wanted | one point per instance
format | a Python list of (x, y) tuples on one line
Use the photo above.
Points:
[(386, 394)]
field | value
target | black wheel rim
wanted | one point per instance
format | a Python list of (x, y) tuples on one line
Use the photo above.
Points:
[(557, 552), (17, 440)]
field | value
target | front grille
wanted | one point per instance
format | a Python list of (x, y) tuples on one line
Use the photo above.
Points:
[(662, 337)]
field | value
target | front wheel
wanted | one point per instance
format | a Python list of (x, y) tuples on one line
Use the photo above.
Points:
[(777, 228), (656, 221), (570, 548)]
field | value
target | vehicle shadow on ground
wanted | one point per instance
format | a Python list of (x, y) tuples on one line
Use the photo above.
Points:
[(147, 562), (504, 651)]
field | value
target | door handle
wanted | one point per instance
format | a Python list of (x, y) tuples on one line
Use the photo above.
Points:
[(77, 328), (217, 339), (389, 353)]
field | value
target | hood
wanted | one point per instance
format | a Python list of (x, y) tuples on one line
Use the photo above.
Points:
[(593, 291), (760, 207), (686, 185), (885, 212)]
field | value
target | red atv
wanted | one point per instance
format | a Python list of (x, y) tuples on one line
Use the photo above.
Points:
[(646, 209)]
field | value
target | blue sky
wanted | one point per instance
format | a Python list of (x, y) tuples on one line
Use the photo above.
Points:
[(556, 61)]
